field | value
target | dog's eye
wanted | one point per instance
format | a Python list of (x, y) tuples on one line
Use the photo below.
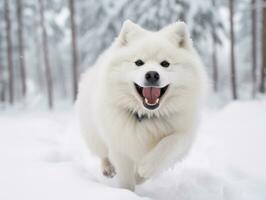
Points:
[(165, 63), (139, 62)]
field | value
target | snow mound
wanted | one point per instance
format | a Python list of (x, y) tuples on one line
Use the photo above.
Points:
[(43, 157)]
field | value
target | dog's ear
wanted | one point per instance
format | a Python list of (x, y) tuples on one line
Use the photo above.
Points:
[(179, 34), (129, 32)]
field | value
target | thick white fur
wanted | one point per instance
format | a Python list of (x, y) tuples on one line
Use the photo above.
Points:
[(107, 100)]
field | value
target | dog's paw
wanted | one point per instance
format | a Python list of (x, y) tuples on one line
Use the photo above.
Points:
[(147, 168), (139, 179), (108, 169)]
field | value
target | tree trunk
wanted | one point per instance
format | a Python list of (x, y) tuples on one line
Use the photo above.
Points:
[(9, 53), (40, 79), (214, 62), (214, 54), (263, 45), (254, 47), (232, 45), (48, 75), (74, 48), (2, 79), (21, 46)]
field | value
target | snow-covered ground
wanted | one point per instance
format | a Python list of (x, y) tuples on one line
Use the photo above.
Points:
[(43, 157)]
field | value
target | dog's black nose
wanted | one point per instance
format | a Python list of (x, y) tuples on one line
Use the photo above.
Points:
[(152, 77)]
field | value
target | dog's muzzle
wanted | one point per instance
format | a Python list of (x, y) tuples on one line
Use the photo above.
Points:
[(151, 96)]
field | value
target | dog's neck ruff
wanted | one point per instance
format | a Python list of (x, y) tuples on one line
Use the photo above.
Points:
[(140, 118)]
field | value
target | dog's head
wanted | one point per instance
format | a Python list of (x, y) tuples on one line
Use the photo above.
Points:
[(153, 72)]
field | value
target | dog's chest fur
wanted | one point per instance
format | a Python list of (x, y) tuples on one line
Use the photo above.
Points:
[(133, 137)]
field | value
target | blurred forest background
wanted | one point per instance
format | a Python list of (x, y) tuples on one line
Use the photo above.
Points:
[(46, 44)]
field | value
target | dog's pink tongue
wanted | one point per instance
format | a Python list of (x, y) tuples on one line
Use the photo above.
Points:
[(151, 94)]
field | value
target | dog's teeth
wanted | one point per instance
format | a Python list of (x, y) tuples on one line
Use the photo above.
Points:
[(146, 101)]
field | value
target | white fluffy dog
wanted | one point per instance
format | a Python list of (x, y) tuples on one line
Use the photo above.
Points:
[(138, 105)]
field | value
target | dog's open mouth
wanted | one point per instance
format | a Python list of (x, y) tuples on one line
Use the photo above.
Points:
[(151, 95)]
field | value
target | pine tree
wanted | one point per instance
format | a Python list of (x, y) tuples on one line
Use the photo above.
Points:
[(21, 46), (9, 53), (254, 47), (48, 75), (263, 48), (232, 48), (2, 78), (74, 48), (214, 50), (2, 69)]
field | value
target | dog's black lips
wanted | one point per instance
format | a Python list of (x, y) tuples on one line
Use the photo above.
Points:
[(150, 107)]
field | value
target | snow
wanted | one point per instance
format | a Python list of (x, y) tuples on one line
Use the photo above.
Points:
[(43, 157)]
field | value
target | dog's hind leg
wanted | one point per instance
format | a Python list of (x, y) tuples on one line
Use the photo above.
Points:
[(139, 179), (125, 170), (95, 143), (98, 148)]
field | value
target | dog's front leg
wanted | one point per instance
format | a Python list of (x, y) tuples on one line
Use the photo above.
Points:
[(125, 170), (166, 152)]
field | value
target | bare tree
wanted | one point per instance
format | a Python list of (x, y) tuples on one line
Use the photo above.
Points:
[(74, 48), (263, 50), (48, 75), (9, 53), (2, 80), (21, 46), (232, 45), (214, 53), (38, 49), (2, 88), (254, 47)]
